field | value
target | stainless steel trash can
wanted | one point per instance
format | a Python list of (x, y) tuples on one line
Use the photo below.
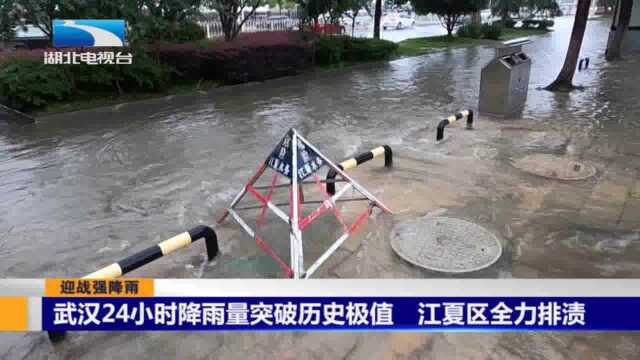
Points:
[(505, 80)]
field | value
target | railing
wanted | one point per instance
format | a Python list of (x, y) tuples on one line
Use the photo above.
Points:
[(358, 160), (213, 28), (451, 119), (16, 113), (150, 254)]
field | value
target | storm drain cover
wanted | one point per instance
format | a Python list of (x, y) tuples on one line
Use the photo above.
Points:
[(555, 167), (446, 244)]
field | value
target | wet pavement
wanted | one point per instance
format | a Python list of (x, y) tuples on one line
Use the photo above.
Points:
[(81, 190)]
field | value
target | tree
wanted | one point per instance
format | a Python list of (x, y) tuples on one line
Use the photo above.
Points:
[(546, 7), (146, 19), (565, 78), (354, 8), (377, 17), (313, 9), (40, 13), (7, 21), (504, 8), (607, 5), (615, 49), (230, 11), (450, 12)]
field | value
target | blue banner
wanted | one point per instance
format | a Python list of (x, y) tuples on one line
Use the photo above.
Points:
[(341, 313)]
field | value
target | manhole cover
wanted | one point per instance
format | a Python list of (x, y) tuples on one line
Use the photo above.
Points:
[(485, 153), (555, 167), (446, 244)]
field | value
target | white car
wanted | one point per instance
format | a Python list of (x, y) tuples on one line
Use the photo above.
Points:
[(398, 21)]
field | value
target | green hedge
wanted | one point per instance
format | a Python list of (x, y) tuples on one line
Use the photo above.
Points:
[(539, 24), (28, 83), (485, 31), (470, 31), (491, 31), (337, 49)]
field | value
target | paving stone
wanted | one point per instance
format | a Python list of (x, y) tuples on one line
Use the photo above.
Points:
[(635, 190), (631, 214), (608, 194)]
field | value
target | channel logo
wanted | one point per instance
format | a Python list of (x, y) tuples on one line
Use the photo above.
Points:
[(88, 33)]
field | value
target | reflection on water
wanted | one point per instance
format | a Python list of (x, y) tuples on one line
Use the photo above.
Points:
[(80, 190)]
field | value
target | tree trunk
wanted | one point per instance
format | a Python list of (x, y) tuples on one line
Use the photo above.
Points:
[(450, 23), (376, 19), (624, 18), (353, 26), (476, 18), (564, 80)]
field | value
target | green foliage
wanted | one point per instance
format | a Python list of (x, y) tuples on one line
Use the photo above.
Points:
[(485, 31), (491, 31), (446, 7), (538, 24), (505, 8), (27, 84), (30, 84), (329, 49), (450, 12), (361, 49), (153, 29), (145, 74), (337, 49), (545, 24), (506, 23), (470, 31), (147, 19)]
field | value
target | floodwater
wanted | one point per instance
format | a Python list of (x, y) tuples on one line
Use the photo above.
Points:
[(82, 190)]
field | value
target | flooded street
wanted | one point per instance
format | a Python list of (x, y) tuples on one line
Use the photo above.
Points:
[(82, 190)]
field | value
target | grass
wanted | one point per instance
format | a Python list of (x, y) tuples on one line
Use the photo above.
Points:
[(419, 46), (508, 34), (95, 100)]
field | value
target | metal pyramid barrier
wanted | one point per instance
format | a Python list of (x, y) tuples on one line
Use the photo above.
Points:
[(297, 160)]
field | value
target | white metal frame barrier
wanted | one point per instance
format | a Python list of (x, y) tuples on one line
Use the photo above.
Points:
[(296, 222)]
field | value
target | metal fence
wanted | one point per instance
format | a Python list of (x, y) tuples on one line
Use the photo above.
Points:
[(213, 28), (290, 21)]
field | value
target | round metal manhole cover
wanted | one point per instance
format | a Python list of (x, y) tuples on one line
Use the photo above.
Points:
[(485, 153), (446, 244), (554, 167)]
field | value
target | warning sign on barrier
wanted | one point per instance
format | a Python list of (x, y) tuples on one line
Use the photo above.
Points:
[(295, 155), (282, 157)]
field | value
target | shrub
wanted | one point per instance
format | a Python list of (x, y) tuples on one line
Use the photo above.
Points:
[(336, 49), (491, 31), (539, 24), (470, 31), (188, 31), (507, 23), (249, 57), (28, 83), (329, 49), (546, 24), (144, 74)]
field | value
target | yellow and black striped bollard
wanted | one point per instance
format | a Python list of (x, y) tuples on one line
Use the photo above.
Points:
[(451, 119), (358, 160)]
